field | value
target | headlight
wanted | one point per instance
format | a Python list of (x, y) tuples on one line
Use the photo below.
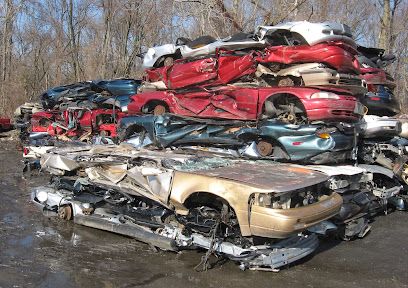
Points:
[(41, 196), (324, 95), (264, 199)]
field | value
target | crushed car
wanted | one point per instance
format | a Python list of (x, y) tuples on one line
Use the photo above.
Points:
[(294, 105), (286, 34), (90, 94), (175, 201), (318, 67), (305, 32), (367, 190), (380, 98), (268, 139), (77, 123)]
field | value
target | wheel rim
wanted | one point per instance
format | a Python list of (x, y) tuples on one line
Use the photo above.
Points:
[(65, 212), (103, 133), (264, 148), (168, 61), (159, 110), (286, 82)]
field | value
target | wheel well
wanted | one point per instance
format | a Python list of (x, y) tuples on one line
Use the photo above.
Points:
[(282, 97), (160, 61), (130, 130), (149, 106), (103, 119), (198, 199), (276, 144)]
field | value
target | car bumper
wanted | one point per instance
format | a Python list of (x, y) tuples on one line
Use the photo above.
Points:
[(348, 110), (329, 77), (382, 107), (382, 128), (280, 223)]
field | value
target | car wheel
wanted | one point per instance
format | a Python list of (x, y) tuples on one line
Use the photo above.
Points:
[(65, 212), (291, 112), (264, 148), (103, 133), (286, 82), (159, 110), (168, 61)]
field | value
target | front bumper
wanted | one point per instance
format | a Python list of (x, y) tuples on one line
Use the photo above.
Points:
[(280, 223), (348, 109)]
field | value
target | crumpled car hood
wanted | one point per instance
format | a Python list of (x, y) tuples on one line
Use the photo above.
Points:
[(276, 177)]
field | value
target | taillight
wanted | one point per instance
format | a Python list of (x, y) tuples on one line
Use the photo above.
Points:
[(26, 151), (356, 64)]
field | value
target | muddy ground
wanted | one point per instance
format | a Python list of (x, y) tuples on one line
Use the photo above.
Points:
[(36, 251)]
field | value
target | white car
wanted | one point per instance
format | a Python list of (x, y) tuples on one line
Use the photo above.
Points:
[(375, 126), (288, 34), (311, 33), (205, 45)]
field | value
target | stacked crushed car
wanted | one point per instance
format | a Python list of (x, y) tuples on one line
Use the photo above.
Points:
[(77, 111), (206, 141)]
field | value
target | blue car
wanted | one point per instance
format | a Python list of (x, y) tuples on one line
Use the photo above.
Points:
[(382, 102), (94, 92), (272, 139), (118, 87)]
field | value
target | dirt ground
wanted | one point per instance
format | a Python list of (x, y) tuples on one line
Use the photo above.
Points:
[(36, 251)]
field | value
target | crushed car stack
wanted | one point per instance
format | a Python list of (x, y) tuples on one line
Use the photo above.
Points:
[(206, 141), (77, 111)]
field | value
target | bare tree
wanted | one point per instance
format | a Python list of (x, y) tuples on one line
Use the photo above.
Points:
[(53, 42)]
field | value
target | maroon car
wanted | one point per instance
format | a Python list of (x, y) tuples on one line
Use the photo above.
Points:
[(328, 65), (290, 104)]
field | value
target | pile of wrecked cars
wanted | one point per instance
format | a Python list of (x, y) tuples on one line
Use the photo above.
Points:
[(248, 147)]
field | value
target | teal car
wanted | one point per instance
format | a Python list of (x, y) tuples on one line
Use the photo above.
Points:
[(317, 144)]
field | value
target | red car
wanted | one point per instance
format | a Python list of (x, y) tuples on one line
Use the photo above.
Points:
[(337, 55), (221, 69), (328, 60), (42, 121), (5, 124), (77, 122), (377, 76), (290, 104)]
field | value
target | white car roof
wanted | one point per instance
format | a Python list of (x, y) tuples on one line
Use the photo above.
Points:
[(313, 33)]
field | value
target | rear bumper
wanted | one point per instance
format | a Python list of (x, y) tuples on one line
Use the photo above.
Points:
[(280, 223), (382, 107), (382, 128)]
